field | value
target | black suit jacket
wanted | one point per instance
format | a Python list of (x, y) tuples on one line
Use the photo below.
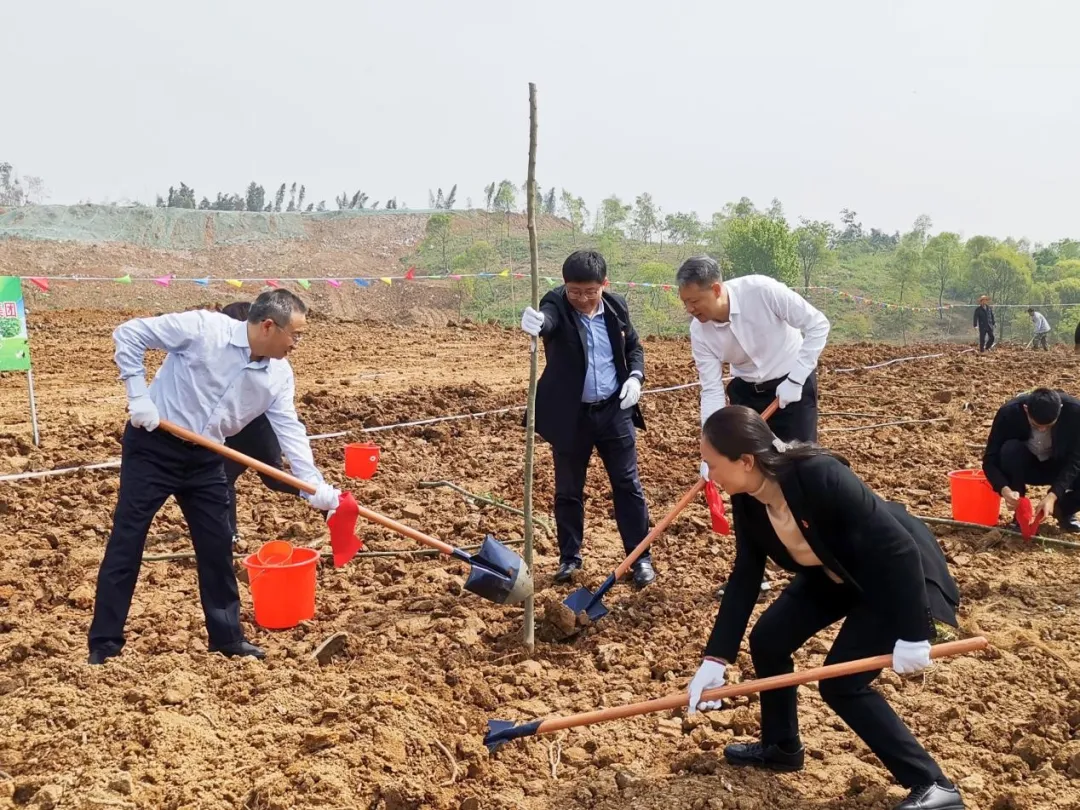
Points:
[(889, 557), (983, 318), (558, 393), (1011, 422)]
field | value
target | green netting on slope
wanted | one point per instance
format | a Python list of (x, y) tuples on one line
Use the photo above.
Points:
[(164, 228)]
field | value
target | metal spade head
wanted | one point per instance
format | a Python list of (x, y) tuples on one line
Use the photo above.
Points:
[(501, 731), (498, 574), (585, 600)]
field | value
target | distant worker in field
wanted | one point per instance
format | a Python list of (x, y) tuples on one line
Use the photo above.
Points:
[(1042, 329), (1076, 340), (218, 375), (984, 322), (587, 397), (1035, 439), (770, 336)]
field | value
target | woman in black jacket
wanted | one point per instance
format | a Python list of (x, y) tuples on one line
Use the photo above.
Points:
[(855, 557)]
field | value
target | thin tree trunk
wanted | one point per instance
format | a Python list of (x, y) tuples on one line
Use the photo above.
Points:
[(530, 412)]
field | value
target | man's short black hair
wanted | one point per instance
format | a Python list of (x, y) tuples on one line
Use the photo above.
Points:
[(1031, 310), (585, 266), (1044, 406)]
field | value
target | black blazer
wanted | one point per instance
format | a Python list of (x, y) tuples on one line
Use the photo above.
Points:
[(984, 317), (558, 393), (889, 557), (1011, 423)]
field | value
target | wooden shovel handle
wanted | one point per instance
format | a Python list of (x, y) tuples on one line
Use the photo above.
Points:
[(681, 699), (661, 527), (303, 486)]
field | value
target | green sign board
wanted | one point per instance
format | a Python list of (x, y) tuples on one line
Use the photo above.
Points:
[(14, 345)]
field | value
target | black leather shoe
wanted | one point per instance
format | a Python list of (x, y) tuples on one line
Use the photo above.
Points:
[(239, 648), (932, 797), (101, 655), (643, 573), (1067, 523), (566, 571), (770, 757)]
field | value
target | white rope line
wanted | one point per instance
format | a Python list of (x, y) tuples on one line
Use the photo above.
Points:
[(115, 464), (886, 363)]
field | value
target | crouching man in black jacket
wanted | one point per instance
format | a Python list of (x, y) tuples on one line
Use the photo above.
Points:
[(1035, 439), (587, 397)]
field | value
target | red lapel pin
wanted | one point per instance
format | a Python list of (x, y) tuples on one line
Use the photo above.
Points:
[(805, 525)]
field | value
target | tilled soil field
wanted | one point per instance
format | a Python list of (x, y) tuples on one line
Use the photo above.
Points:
[(396, 719)]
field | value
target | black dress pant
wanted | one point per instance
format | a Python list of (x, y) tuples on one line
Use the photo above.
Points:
[(609, 429), (796, 422), (259, 441), (986, 338), (155, 465), (1022, 468), (811, 603)]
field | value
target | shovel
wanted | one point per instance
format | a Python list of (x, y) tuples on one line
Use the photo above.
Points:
[(585, 600), (501, 731), (496, 573)]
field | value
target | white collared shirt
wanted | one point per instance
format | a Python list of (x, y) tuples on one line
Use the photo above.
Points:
[(208, 382), (772, 332)]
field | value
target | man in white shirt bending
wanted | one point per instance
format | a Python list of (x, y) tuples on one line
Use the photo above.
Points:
[(218, 375), (769, 334), (1042, 329)]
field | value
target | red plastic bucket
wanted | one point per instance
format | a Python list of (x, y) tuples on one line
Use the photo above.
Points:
[(284, 595), (361, 460), (973, 500)]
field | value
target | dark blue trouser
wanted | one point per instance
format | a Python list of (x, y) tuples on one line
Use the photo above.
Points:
[(795, 423), (153, 467), (610, 430), (259, 441)]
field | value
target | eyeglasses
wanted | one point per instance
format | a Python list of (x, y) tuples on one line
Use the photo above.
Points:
[(295, 337), (583, 295)]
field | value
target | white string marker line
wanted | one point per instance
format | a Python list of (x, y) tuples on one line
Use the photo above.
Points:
[(105, 465)]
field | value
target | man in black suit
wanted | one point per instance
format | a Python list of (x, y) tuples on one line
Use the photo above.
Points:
[(1035, 439), (587, 397)]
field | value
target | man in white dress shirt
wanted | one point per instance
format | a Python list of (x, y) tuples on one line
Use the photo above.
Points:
[(769, 334), (218, 375)]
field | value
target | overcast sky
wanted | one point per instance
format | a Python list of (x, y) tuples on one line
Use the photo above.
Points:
[(966, 111)]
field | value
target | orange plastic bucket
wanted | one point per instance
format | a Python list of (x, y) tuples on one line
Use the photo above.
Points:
[(361, 460), (973, 500), (276, 552), (284, 595)]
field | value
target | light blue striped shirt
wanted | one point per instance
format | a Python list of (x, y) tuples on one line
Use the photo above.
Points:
[(208, 382), (601, 378)]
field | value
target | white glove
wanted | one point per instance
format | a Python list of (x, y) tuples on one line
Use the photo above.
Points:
[(709, 674), (704, 470), (788, 392), (631, 393), (325, 498), (532, 321), (910, 656), (144, 413)]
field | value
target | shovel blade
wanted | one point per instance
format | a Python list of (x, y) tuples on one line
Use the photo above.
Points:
[(498, 574), (585, 600), (501, 732)]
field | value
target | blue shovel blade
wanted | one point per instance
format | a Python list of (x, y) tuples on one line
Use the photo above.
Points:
[(585, 600), (501, 731), (498, 574)]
